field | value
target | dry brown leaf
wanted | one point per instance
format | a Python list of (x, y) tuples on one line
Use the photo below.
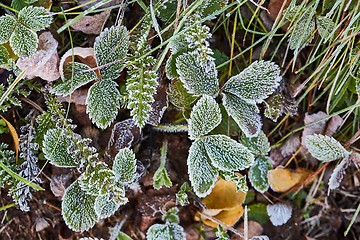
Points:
[(283, 179), (310, 128), (254, 229), (14, 136), (44, 63), (91, 24), (291, 145), (333, 125)]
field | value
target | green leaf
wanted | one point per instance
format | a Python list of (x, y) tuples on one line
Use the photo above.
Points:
[(78, 208), (56, 146), (76, 75), (20, 4), (125, 166), (23, 41), (258, 145), (169, 231), (4, 56), (181, 195), (245, 115), (36, 18), (301, 33), (123, 236), (106, 205), (258, 174), (161, 178), (212, 7), (325, 27), (178, 95), (226, 154), (198, 78), (202, 174), (255, 83), (325, 148), (204, 117), (103, 101), (258, 213), (110, 48), (8, 24)]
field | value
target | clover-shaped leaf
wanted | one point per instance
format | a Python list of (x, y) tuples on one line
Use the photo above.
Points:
[(205, 116), (103, 102), (254, 83), (125, 166), (78, 208), (202, 174), (226, 154), (258, 174), (111, 47)]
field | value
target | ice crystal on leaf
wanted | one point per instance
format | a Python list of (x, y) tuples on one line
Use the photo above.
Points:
[(23, 41), (36, 18), (245, 115), (325, 27), (161, 178), (168, 231), (202, 174), (103, 102), (125, 166), (110, 51), (198, 78), (226, 154), (4, 56), (8, 24), (106, 205), (205, 116), (258, 174), (338, 173), (78, 208), (254, 83), (325, 148), (258, 145), (301, 33), (279, 213), (212, 7)]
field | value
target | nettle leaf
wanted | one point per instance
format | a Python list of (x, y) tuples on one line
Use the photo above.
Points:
[(161, 178), (325, 148), (227, 154), (36, 18), (23, 41), (258, 174), (4, 55), (8, 24), (255, 83), (301, 33), (205, 116), (106, 205), (325, 27), (202, 174), (258, 145), (103, 102), (76, 75), (125, 166), (244, 114), (198, 78), (110, 48), (168, 231), (78, 208), (56, 145)]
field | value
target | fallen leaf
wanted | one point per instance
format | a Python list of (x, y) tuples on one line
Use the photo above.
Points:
[(44, 63), (291, 145), (91, 24), (228, 217), (279, 213), (59, 183), (14, 136), (333, 125), (41, 224), (282, 179)]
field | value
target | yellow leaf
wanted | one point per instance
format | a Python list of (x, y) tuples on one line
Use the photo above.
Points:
[(14, 136), (228, 217), (283, 179)]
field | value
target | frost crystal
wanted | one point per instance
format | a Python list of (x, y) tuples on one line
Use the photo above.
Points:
[(245, 115), (226, 154), (36, 18), (198, 78), (23, 41), (106, 205), (8, 24), (103, 102), (279, 213), (168, 231), (255, 83), (301, 33), (338, 173), (258, 145), (205, 116), (325, 148), (325, 27), (258, 174), (125, 166), (202, 174)]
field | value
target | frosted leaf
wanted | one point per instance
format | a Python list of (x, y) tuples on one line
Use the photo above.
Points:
[(161, 178), (204, 117), (36, 18), (314, 124), (338, 173), (111, 47), (171, 215), (202, 174), (178, 95), (227, 154), (78, 208), (125, 166), (106, 205), (279, 213), (258, 145), (210, 7), (258, 174), (8, 24), (23, 41), (56, 145), (168, 231), (4, 56), (76, 75), (255, 83), (325, 27), (198, 78), (245, 115), (325, 148), (103, 102), (301, 33)]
